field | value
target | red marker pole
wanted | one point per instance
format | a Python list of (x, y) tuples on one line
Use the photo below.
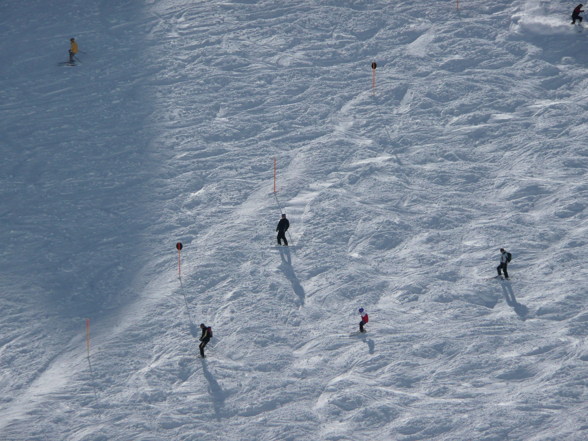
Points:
[(374, 65), (88, 351), (88, 337), (275, 172), (179, 247)]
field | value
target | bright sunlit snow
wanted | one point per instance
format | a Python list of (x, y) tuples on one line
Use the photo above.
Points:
[(399, 199)]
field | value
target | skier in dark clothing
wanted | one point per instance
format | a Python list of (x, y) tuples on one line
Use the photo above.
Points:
[(204, 338), (282, 227), (576, 14), (503, 263)]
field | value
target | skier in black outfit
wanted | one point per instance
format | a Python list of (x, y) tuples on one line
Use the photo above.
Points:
[(503, 263), (204, 338), (576, 14), (282, 227)]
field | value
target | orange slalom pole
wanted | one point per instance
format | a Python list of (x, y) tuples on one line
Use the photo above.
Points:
[(374, 65), (275, 173)]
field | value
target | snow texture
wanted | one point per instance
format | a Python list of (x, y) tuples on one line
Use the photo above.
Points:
[(399, 199)]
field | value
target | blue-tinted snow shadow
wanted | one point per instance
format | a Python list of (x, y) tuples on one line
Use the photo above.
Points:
[(77, 196), (216, 392), (290, 274), (521, 310), (564, 42)]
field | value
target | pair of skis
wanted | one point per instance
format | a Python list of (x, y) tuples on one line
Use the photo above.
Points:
[(498, 278), (71, 63)]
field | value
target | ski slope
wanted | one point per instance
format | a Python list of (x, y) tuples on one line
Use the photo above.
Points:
[(399, 198)]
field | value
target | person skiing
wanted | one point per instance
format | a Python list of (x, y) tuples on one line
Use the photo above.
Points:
[(204, 338), (503, 263), (364, 319), (576, 14), (282, 227), (73, 49)]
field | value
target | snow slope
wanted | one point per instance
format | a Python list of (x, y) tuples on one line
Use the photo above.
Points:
[(399, 198)]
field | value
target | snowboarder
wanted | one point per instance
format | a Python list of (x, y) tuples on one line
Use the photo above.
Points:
[(503, 263), (282, 227), (204, 338), (364, 319), (576, 14), (73, 49)]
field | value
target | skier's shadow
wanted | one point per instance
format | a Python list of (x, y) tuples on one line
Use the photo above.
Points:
[(521, 310), (217, 393), (285, 255), (370, 343), (288, 271)]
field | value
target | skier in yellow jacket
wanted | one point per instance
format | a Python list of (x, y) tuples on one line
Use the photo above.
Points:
[(73, 49)]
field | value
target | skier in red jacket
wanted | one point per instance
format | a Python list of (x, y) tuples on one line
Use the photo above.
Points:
[(364, 319)]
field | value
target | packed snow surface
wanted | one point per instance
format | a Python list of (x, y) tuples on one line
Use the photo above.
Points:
[(400, 186)]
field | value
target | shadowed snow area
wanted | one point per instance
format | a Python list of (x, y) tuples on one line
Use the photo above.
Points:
[(399, 198)]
